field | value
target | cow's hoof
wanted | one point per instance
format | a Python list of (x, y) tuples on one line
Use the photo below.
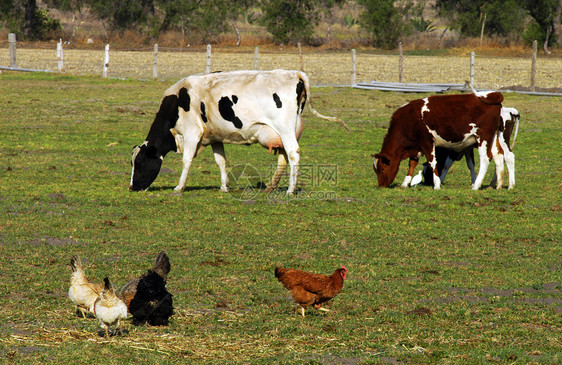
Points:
[(269, 189), (224, 189), (178, 189)]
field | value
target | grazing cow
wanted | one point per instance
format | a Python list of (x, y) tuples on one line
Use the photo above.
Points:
[(445, 157), (452, 121), (240, 107)]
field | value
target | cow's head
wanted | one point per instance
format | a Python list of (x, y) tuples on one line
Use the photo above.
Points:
[(147, 158), (146, 163), (385, 168)]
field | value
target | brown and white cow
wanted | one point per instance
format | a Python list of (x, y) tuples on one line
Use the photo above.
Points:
[(446, 157), (240, 107), (452, 121)]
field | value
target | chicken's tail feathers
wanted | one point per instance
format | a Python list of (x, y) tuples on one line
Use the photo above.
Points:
[(279, 271), (162, 265), (75, 263), (107, 284)]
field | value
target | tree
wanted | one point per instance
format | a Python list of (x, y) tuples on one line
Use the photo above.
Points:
[(546, 14), (385, 21), (209, 17), (23, 17), (495, 17), (294, 20), (30, 8), (122, 14)]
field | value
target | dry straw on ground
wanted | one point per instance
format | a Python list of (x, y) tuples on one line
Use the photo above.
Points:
[(323, 68)]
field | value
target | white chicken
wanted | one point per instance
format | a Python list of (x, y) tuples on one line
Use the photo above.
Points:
[(109, 309), (82, 291)]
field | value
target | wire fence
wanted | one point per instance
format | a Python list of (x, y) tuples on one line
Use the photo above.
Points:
[(324, 68)]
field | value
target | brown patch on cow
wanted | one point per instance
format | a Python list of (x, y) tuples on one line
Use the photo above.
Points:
[(499, 147)]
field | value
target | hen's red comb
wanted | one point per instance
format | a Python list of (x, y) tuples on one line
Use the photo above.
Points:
[(343, 267)]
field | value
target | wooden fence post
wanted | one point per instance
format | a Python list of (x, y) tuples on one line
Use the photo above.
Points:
[(472, 69), (12, 46), (534, 66), (400, 63), (256, 53), (482, 30), (60, 56), (208, 63), (106, 60), (353, 67), (155, 62)]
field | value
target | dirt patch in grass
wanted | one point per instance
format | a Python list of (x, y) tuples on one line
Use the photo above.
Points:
[(56, 242), (557, 90), (549, 294)]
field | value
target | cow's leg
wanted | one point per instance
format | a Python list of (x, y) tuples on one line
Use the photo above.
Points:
[(446, 166), (469, 157), (499, 169), (293, 155), (427, 173), (509, 161), (484, 162), (218, 151), (281, 166), (190, 149), (411, 167), (429, 152)]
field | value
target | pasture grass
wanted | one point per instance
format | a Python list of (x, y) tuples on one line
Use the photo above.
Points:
[(449, 276)]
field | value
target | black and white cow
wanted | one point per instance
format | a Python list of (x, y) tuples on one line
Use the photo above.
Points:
[(240, 107), (445, 157)]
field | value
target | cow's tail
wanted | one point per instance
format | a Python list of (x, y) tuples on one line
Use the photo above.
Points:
[(487, 97), (333, 119), (304, 78), (516, 130)]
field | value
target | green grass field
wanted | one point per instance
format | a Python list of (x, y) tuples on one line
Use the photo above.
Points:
[(448, 276)]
